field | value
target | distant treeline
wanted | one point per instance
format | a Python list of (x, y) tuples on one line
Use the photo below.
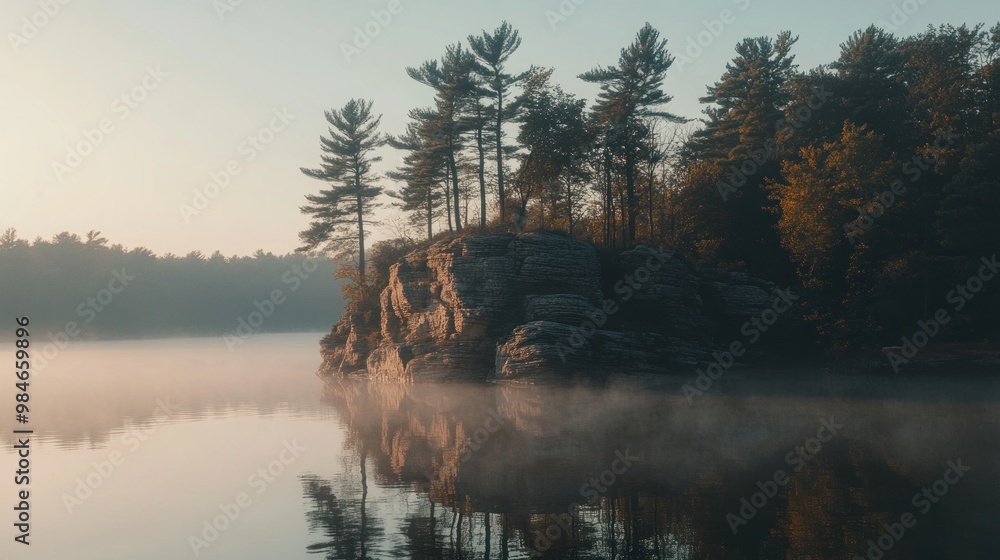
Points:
[(109, 291)]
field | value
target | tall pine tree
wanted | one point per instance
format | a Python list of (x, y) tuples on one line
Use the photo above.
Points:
[(339, 213), (492, 51), (630, 91)]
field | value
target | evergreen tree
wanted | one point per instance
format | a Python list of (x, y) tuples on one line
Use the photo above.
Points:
[(630, 91), (94, 239), (749, 100), (941, 79), (339, 213), (871, 87), (746, 109), (554, 134), (10, 240), (422, 173), (492, 50), (454, 88)]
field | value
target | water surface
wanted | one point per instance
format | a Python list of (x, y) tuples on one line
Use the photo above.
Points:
[(142, 446)]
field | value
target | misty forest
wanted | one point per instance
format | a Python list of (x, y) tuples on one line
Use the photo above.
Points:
[(61, 281)]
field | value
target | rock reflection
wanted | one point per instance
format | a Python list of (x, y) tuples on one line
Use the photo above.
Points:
[(513, 472)]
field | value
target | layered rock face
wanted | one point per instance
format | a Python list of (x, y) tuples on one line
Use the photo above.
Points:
[(533, 307)]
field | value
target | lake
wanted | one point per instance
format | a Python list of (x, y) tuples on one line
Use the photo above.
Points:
[(172, 449)]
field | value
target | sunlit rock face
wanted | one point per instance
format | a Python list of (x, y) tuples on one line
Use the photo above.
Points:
[(347, 347), (533, 307)]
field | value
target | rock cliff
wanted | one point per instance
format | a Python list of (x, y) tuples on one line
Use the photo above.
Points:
[(531, 307)]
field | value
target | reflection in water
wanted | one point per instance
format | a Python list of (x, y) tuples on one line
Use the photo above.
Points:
[(459, 471), (559, 472), (343, 521)]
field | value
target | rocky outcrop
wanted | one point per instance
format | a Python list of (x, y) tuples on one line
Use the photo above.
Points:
[(543, 350), (536, 307), (346, 349)]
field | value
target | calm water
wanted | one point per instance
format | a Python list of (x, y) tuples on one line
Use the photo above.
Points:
[(142, 446)]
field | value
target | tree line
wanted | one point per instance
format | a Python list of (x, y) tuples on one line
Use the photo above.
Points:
[(869, 184), (111, 291)]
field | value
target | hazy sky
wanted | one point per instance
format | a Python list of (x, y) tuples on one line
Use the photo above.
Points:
[(202, 76)]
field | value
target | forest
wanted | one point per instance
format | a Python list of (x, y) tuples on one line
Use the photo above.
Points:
[(110, 291), (868, 185)]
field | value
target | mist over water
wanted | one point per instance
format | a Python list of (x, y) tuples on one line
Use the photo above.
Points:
[(341, 468)]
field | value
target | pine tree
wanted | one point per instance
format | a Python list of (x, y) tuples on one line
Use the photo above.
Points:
[(454, 88), (748, 101), (554, 135), (871, 88), (746, 107), (941, 78), (10, 240), (492, 51), (94, 239), (630, 91), (422, 173), (339, 213)]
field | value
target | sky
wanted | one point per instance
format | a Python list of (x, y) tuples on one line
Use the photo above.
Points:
[(181, 125)]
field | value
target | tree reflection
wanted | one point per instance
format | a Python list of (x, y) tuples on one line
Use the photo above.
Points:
[(533, 487), (345, 522)]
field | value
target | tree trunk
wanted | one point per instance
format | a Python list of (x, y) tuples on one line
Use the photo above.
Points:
[(609, 208), (569, 205), (523, 215), (499, 134), (652, 232), (361, 228), (541, 219), (454, 187), (630, 201), (364, 498), (430, 215), (482, 167), (447, 203), (622, 203)]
